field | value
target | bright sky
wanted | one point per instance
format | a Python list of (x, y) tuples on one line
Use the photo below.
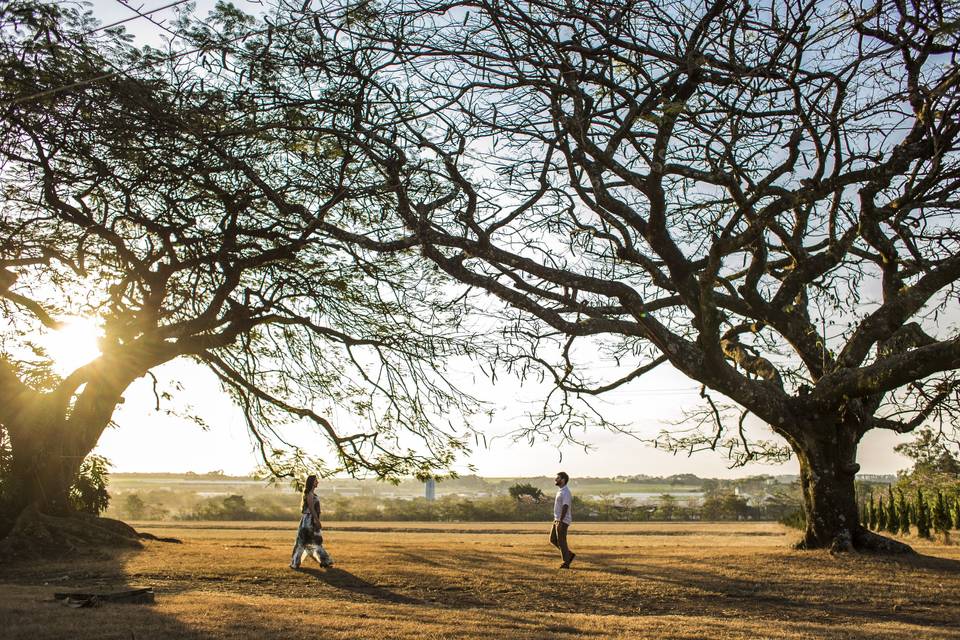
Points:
[(148, 440)]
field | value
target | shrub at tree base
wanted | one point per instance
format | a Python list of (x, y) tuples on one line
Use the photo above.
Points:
[(89, 491)]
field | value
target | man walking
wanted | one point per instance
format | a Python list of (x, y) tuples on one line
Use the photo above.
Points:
[(562, 517)]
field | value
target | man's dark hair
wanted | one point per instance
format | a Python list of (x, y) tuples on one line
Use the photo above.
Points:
[(563, 474)]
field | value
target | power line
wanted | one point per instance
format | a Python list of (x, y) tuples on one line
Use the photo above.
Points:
[(136, 17), (104, 76), (126, 4), (135, 67)]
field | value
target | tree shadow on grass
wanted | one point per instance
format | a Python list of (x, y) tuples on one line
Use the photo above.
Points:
[(346, 581), (791, 588), (465, 561), (712, 593), (921, 561), (31, 612)]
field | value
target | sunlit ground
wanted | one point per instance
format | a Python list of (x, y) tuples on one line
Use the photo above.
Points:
[(651, 580)]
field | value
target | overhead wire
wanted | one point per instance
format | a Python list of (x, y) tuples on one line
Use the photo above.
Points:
[(139, 15), (147, 16), (135, 67)]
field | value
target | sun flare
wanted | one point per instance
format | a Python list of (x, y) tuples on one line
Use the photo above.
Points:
[(73, 345)]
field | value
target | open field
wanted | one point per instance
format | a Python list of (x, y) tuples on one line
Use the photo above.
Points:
[(470, 580)]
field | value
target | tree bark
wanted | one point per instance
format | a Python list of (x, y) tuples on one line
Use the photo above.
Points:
[(44, 463), (35, 461), (49, 439), (827, 471)]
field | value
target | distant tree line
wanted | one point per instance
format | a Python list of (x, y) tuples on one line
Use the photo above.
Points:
[(924, 500), (524, 503), (893, 510)]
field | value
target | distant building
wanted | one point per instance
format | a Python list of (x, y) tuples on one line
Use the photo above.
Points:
[(431, 489), (877, 477)]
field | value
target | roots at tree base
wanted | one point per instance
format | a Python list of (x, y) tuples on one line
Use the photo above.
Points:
[(860, 539), (36, 534)]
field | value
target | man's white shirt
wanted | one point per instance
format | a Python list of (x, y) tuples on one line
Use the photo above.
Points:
[(564, 497)]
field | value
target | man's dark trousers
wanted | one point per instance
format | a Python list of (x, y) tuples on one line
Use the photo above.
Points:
[(558, 538)]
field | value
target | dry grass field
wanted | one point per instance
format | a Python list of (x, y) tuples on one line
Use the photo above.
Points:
[(426, 581)]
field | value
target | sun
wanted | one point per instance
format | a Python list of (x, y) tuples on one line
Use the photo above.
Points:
[(73, 345)]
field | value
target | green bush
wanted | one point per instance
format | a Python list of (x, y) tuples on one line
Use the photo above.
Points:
[(232, 507), (133, 506), (796, 519), (923, 515), (903, 512), (893, 517), (941, 515), (726, 506), (89, 491), (517, 491)]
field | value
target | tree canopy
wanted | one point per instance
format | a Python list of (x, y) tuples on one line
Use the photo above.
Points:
[(760, 195), (164, 196), (930, 454), (521, 489)]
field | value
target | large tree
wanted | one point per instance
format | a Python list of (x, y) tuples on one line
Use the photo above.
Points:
[(761, 195), (135, 192)]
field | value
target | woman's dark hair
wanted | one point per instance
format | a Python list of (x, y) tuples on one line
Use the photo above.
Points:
[(308, 486)]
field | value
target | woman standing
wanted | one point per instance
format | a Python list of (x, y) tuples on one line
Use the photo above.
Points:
[(310, 533)]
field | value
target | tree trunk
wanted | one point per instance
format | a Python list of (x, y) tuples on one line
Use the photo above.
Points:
[(48, 444), (43, 465), (827, 470), (46, 471)]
